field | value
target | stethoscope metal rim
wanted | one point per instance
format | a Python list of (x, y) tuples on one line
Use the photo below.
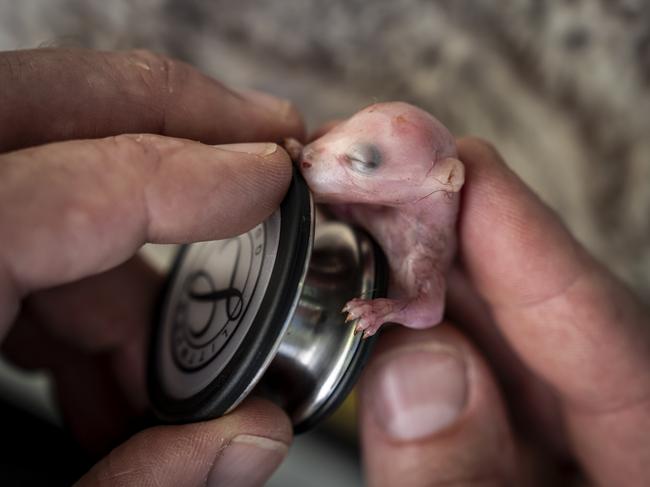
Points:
[(256, 353)]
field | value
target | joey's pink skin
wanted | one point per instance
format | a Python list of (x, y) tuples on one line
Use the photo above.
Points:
[(392, 169)]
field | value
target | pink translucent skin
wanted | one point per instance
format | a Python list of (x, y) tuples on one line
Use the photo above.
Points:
[(407, 200)]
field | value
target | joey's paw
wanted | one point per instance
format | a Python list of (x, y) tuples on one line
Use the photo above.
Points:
[(369, 314)]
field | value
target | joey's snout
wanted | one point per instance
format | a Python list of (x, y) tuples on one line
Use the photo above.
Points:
[(306, 157), (311, 155)]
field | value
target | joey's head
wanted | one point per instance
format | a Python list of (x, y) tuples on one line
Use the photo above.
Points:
[(389, 153)]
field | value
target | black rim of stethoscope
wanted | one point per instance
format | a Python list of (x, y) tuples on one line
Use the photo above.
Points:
[(234, 380)]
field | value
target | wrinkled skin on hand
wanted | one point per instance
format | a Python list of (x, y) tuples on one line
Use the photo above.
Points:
[(393, 169)]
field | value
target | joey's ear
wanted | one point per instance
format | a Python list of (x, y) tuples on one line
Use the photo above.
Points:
[(450, 173)]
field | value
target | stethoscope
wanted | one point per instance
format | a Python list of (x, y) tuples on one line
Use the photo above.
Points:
[(261, 313)]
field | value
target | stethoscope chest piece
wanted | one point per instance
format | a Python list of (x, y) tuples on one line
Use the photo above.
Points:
[(261, 312)]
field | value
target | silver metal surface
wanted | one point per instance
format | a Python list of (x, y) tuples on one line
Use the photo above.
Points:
[(318, 346)]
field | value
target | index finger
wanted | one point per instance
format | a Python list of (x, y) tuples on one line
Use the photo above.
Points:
[(60, 94), (565, 315)]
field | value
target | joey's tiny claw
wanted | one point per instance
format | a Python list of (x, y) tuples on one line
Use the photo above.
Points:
[(361, 326)]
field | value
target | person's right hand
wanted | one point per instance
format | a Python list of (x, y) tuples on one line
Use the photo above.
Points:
[(555, 389)]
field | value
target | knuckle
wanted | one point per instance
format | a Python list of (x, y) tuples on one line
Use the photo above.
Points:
[(162, 74), (124, 145), (153, 81), (144, 149), (141, 159)]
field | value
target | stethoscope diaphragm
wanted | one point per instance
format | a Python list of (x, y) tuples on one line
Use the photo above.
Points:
[(262, 312)]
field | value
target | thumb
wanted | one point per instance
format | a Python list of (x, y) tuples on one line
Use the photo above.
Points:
[(242, 448), (431, 414), (74, 209)]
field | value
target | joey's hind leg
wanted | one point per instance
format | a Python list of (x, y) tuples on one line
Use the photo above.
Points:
[(422, 312)]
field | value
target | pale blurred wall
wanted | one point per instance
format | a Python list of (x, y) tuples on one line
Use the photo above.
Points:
[(562, 88)]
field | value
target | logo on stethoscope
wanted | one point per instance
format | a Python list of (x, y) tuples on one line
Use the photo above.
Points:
[(213, 300)]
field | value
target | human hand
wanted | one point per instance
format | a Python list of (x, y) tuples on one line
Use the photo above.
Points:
[(554, 389), (73, 299)]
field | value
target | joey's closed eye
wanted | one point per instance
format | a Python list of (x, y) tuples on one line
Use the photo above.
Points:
[(364, 158)]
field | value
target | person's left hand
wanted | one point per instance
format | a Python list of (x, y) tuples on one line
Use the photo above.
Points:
[(73, 299)]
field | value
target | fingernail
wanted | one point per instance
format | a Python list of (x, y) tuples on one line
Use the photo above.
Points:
[(417, 392), (259, 149), (247, 461), (280, 106)]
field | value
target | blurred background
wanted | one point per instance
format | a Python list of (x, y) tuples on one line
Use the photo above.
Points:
[(562, 88)]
